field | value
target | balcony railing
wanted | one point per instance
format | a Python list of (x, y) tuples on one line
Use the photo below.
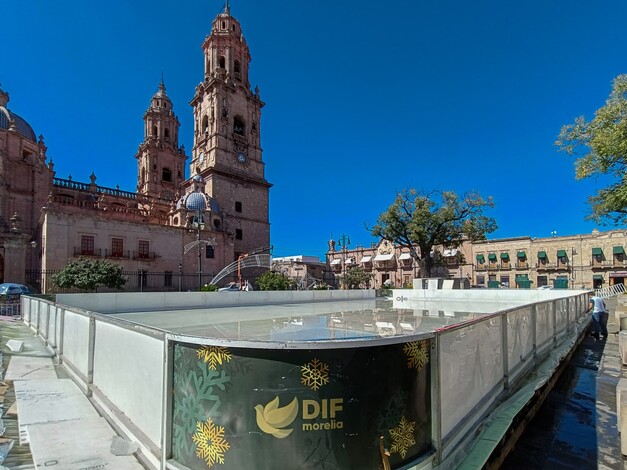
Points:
[(150, 256), (96, 253), (522, 265), (118, 254), (552, 266), (608, 263)]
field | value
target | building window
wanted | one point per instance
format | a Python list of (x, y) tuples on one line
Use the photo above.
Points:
[(166, 175), (154, 131), (117, 247), (221, 60), (505, 281), (238, 206), (143, 248), (543, 281), (238, 125), (87, 245), (167, 280), (205, 124), (209, 252), (238, 234), (166, 133)]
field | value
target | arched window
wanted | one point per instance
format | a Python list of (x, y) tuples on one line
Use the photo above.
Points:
[(238, 125), (209, 252), (166, 174), (205, 124), (166, 133), (237, 68), (222, 62), (154, 131)]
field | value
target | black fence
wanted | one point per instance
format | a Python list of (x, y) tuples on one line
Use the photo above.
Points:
[(137, 281)]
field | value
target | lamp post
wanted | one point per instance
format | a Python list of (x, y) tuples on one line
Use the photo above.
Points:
[(344, 241), (199, 224), (196, 203), (180, 275)]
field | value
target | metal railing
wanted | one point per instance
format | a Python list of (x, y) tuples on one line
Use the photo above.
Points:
[(137, 281), (610, 291)]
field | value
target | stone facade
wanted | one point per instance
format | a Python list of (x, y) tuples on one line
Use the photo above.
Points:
[(579, 261), (305, 271), (46, 221)]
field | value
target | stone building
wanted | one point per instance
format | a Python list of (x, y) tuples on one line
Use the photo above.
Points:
[(579, 261), (305, 271), (171, 225)]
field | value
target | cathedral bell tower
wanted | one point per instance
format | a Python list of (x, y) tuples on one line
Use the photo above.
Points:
[(227, 150), (160, 161)]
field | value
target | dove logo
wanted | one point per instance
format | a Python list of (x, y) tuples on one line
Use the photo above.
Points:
[(274, 420)]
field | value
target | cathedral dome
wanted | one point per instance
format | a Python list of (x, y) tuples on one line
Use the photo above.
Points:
[(196, 201), (23, 128), (7, 118)]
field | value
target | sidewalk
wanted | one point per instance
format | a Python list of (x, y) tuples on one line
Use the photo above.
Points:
[(58, 426)]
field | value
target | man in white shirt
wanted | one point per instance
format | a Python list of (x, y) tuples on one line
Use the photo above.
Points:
[(599, 316)]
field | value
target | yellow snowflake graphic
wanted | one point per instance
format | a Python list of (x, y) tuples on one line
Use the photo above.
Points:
[(315, 374), (402, 437), (213, 355), (210, 443), (417, 353)]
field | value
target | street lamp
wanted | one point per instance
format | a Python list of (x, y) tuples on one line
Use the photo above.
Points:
[(180, 275), (199, 224), (344, 241), (196, 203)]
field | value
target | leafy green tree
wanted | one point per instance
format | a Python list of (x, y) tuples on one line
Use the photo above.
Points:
[(209, 288), (271, 280), (88, 274), (356, 278), (600, 148), (423, 220)]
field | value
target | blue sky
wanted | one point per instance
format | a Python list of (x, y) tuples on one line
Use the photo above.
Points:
[(362, 99)]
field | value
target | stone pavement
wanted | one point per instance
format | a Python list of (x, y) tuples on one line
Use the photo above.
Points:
[(58, 428)]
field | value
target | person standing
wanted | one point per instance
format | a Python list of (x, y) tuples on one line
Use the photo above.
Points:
[(599, 316)]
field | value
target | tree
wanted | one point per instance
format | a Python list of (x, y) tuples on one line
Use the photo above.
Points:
[(424, 220), (600, 148), (271, 280), (356, 278), (88, 274)]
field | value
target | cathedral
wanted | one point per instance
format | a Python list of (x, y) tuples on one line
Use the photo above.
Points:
[(46, 221)]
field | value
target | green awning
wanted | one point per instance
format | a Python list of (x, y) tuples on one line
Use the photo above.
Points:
[(618, 250), (561, 253), (541, 254), (521, 254), (597, 252), (492, 257), (480, 258), (597, 277), (504, 255), (522, 276)]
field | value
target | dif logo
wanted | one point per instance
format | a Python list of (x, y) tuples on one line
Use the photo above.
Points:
[(317, 415), (325, 409)]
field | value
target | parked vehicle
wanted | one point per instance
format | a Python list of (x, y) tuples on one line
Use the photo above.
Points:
[(11, 288), (235, 287)]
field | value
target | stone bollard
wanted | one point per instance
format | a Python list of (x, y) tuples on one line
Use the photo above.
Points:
[(623, 425), (621, 390), (622, 346)]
